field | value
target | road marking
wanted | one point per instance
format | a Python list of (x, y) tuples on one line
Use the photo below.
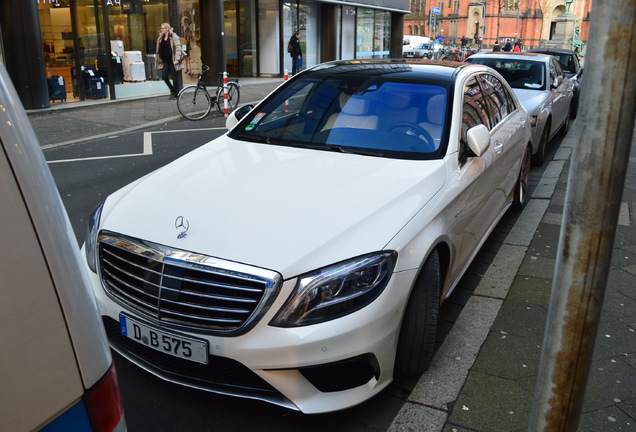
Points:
[(147, 146)]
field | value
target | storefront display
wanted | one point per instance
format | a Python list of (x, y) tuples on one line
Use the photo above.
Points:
[(245, 38)]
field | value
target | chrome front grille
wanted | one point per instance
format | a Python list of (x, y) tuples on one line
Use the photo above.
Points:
[(184, 288)]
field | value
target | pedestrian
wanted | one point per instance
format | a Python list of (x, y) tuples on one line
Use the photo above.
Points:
[(293, 47), (169, 59), (508, 45), (518, 47), (496, 47)]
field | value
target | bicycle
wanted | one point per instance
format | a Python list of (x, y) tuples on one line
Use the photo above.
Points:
[(194, 101)]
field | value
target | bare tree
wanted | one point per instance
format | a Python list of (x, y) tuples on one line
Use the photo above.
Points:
[(499, 4)]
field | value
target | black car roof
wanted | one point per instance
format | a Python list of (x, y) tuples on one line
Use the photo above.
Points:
[(551, 50)]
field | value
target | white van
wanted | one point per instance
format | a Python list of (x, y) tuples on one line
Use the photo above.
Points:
[(410, 42), (56, 370)]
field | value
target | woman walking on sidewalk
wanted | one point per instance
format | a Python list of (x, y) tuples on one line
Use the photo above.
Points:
[(169, 59)]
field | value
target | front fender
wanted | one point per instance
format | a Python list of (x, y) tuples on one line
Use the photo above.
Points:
[(537, 131)]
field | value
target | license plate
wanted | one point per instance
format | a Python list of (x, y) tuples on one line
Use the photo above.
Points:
[(165, 342)]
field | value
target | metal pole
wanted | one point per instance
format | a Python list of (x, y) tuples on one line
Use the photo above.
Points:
[(596, 181)]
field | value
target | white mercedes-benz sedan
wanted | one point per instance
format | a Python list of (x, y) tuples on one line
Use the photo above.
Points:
[(302, 257)]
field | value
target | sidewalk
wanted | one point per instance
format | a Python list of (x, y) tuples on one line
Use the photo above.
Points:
[(65, 123), (483, 377)]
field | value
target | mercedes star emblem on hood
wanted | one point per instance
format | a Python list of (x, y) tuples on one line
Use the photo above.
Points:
[(182, 225)]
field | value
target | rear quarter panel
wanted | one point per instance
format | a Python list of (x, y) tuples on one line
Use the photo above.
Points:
[(53, 344)]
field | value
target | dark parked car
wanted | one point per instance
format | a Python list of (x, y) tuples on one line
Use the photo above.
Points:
[(572, 67)]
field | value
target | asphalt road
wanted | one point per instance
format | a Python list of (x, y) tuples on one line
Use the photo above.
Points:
[(86, 173)]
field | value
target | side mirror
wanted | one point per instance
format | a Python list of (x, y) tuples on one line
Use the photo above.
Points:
[(478, 138), (235, 116)]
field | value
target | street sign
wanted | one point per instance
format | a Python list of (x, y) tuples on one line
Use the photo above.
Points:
[(436, 10)]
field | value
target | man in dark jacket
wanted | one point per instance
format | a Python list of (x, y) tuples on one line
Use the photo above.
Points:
[(296, 54), (508, 46)]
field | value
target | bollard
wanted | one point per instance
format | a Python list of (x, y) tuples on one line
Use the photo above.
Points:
[(286, 100), (226, 107)]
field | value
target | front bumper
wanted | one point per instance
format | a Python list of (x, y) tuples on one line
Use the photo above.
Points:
[(314, 369)]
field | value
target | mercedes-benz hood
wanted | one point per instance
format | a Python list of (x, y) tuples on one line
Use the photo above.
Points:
[(287, 209)]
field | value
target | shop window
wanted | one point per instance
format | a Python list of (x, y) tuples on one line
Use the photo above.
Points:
[(373, 34), (189, 30)]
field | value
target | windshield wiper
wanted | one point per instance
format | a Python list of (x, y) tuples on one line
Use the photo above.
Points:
[(315, 146), (354, 150)]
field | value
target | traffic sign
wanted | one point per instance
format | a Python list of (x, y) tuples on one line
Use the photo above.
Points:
[(436, 10)]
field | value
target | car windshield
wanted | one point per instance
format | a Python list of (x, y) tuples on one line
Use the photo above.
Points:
[(520, 73), (361, 114)]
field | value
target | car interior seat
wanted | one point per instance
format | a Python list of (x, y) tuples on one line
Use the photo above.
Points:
[(354, 113), (396, 108), (434, 124)]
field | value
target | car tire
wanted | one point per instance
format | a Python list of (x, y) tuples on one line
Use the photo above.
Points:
[(539, 157), (416, 342), (574, 107), (521, 194)]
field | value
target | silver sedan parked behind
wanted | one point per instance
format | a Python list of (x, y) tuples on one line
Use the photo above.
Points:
[(302, 257), (543, 88), (420, 51)]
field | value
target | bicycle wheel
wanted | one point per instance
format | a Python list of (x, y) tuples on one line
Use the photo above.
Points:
[(233, 97), (194, 103)]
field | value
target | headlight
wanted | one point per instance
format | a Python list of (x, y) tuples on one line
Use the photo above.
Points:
[(337, 290), (90, 246), (533, 120)]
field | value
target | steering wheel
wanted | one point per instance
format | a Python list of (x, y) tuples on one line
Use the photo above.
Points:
[(415, 130)]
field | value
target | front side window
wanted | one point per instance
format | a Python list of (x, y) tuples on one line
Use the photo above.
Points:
[(496, 98), (353, 113), (555, 68), (474, 111)]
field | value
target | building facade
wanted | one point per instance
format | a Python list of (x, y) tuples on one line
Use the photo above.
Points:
[(91, 43), (531, 21)]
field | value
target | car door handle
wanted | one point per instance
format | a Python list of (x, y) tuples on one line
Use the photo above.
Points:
[(498, 146)]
